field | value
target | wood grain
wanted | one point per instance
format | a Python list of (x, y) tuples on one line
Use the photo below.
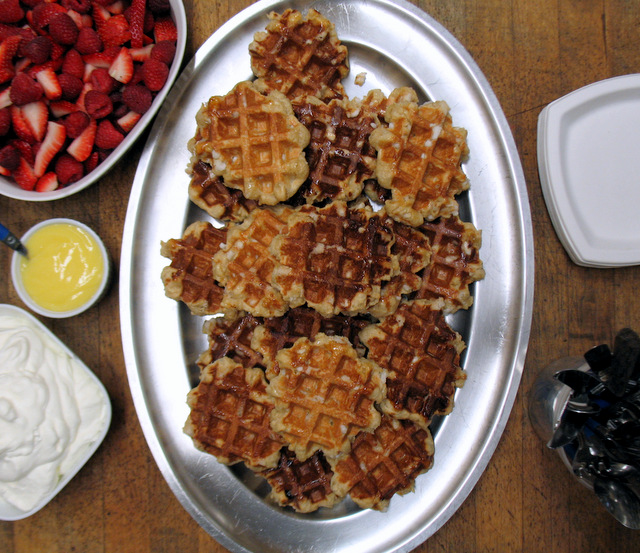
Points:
[(531, 54)]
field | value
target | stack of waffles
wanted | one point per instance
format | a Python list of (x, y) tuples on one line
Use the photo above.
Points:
[(332, 254)]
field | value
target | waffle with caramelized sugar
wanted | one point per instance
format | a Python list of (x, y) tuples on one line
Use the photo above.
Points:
[(334, 259), (455, 262), (254, 142), (421, 353), (339, 154), (383, 462), (231, 336), (324, 395), (245, 265), (189, 277), (419, 156), (299, 56), (303, 485), (229, 415), (208, 192)]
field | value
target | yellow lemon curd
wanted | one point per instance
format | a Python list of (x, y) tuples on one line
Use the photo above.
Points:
[(64, 268)]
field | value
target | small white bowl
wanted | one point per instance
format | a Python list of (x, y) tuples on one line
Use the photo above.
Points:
[(9, 188), (26, 298), (8, 511)]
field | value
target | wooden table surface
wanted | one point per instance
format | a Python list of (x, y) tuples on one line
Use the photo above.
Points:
[(531, 54)]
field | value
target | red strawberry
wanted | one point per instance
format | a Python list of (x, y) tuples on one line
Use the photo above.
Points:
[(164, 51), (68, 169), (25, 150), (128, 121), (5, 121), (36, 115), (115, 31), (9, 157), (137, 98), (122, 67), (61, 108), (10, 11), (107, 136), (47, 182), (63, 30), (38, 50), (20, 127), (102, 81), (154, 74), (8, 50), (100, 15), (75, 123), (80, 6), (49, 81), (71, 86), (24, 175), (135, 15), (51, 145), (88, 41), (165, 29), (73, 64), (25, 90), (82, 146), (97, 104)]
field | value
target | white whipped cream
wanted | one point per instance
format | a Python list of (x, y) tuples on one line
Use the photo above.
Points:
[(51, 411)]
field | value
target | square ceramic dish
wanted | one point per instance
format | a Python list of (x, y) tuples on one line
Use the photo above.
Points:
[(589, 167), (9, 188), (84, 451)]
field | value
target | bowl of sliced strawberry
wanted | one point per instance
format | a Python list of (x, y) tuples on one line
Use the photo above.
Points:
[(80, 80)]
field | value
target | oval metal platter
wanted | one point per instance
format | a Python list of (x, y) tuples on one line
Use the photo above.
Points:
[(396, 44)]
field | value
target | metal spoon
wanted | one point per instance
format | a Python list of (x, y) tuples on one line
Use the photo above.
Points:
[(619, 500)]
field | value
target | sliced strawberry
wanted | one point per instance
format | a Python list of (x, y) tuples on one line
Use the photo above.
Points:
[(33, 70), (115, 8), (5, 121), (62, 108), (20, 127), (115, 31), (141, 54), (51, 145), (8, 50), (102, 59), (136, 22), (5, 172), (5, 99), (36, 115), (165, 29), (91, 162), (80, 101), (80, 6), (47, 182), (24, 175), (122, 67), (25, 149), (128, 121), (100, 16), (49, 81), (82, 146)]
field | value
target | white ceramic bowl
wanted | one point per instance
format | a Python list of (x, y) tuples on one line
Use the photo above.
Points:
[(84, 453), (30, 303), (9, 188)]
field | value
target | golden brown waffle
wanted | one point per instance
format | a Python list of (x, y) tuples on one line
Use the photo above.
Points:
[(277, 333), (229, 415), (189, 277), (334, 259), (303, 485), (299, 56), (421, 353), (244, 267), (254, 142), (419, 156), (209, 193), (339, 154), (324, 395), (383, 462), (455, 262), (413, 250), (231, 336)]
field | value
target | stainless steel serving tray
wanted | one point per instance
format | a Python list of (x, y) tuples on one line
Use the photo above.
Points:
[(395, 44)]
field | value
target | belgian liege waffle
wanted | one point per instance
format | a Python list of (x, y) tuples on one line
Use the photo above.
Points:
[(229, 415), (421, 353), (324, 395), (299, 56), (383, 462), (335, 263), (303, 485), (189, 277), (254, 142), (334, 259)]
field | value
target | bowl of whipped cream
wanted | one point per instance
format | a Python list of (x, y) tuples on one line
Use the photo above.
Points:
[(54, 413)]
